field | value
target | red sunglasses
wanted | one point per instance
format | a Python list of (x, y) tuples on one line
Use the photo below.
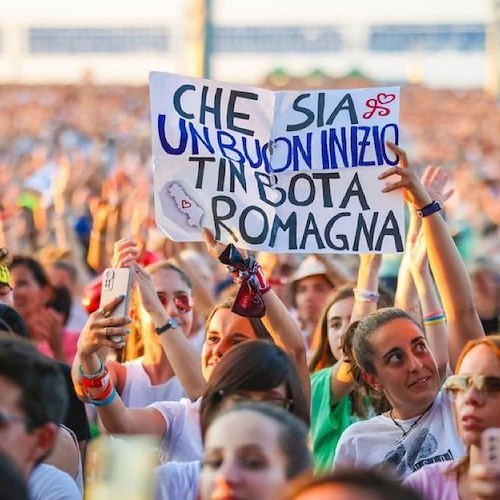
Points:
[(183, 303)]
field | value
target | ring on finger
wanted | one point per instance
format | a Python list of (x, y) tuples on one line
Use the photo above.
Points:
[(102, 311), (106, 331)]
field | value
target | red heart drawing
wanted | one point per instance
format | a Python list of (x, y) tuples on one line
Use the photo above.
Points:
[(385, 98), (185, 204)]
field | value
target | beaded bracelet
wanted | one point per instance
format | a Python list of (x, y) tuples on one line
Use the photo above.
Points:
[(365, 295), (96, 374)]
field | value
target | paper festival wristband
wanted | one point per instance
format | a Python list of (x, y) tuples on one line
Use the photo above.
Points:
[(102, 395), (98, 382)]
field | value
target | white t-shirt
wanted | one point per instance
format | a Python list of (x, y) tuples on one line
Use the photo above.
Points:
[(46, 482), (182, 441), (177, 480), (377, 443), (138, 391)]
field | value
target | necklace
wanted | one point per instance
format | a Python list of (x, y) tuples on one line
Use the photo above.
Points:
[(412, 426)]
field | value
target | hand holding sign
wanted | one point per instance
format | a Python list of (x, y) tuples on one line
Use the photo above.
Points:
[(413, 190)]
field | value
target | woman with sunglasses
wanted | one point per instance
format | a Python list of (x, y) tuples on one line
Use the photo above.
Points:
[(475, 392), (164, 293), (388, 351), (175, 422)]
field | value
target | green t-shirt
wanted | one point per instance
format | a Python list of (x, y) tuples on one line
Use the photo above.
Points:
[(327, 422)]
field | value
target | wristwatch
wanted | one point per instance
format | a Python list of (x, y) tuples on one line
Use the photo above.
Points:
[(171, 323), (433, 206)]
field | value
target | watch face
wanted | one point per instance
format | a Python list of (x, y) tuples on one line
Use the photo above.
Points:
[(172, 323)]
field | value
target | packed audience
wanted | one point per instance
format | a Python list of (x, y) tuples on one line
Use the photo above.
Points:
[(367, 377)]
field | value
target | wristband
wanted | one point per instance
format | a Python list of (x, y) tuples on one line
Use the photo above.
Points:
[(434, 321), (96, 382), (433, 206), (96, 374), (431, 315), (365, 295), (104, 402)]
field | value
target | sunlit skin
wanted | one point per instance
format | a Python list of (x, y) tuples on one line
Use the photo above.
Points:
[(15, 441), (337, 491), (243, 459), (338, 318), (311, 294), (476, 411), (6, 296), (28, 295), (226, 329), (405, 368)]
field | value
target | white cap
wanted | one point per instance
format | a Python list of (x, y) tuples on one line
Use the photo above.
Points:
[(310, 266)]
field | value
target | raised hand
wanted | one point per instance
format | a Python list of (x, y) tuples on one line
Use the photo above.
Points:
[(125, 253), (214, 247), (413, 190), (101, 330), (435, 179), (149, 298)]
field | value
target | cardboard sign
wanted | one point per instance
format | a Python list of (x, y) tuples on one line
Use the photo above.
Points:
[(278, 171)]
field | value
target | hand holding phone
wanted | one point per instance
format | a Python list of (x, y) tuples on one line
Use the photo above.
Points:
[(116, 282)]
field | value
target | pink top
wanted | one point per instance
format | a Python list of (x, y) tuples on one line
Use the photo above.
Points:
[(436, 481), (69, 345)]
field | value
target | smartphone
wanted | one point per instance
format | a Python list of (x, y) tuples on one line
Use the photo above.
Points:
[(116, 282), (120, 467), (491, 447)]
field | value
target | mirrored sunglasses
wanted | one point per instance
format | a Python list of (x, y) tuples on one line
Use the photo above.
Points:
[(487, 385), (183, 303)]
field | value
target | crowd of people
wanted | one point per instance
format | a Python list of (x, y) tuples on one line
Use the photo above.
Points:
[(356, 377)]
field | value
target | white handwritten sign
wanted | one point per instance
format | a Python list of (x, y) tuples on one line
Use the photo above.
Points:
[(279, 171)]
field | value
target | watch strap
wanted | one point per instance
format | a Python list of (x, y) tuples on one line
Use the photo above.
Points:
[(433, 206), (171, 323)]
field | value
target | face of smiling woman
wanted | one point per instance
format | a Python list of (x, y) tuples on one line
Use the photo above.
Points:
[(243, 459), (406, 370), (225, 330)]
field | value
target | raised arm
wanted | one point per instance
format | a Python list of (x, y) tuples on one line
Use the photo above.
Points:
[(433, 317), (100, 391), (277, 320), (452, 279), (365, 302), (182, 356)]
